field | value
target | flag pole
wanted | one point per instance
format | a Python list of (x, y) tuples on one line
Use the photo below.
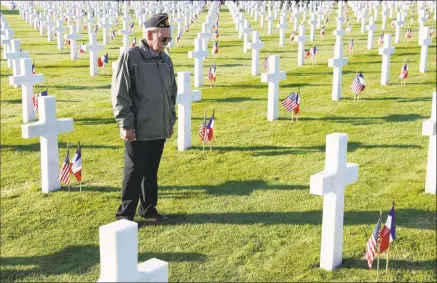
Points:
[(69, 186), (388, 250), (378, 241)]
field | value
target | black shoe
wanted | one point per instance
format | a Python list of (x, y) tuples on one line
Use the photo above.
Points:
[(125, 217), (160, 218)]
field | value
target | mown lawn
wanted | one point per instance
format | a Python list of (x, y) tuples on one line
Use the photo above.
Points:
[(242, 211)]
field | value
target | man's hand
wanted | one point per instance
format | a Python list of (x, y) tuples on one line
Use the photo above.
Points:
[(129, 135), (170, 131)]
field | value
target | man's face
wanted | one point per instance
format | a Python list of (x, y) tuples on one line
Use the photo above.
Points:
[(158, 40)]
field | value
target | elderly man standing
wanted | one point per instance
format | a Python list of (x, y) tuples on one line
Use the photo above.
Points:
[(143, 98)]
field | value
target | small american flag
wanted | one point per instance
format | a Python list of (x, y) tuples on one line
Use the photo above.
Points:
[(351, 45), (134, 42), (33, 67), (212, 75), (64, 175), (96, 29), (113, 35), (178, 37), (187, 28), (216, 34), (290, 103), (371, 244), (381, 39), (203, 131), (408, 33), (358, 84), (322, 31), (35, 99), (266, 64), (431, 31), (131, 25), (215, 48), (292, 36), (404, 72)]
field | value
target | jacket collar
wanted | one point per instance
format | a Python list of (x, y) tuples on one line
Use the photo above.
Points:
[(149, 52)]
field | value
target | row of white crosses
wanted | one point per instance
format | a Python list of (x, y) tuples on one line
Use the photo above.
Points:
[(47, 128), (338, 61)]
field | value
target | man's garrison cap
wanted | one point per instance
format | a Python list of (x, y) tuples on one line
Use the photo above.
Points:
[(157, 21)]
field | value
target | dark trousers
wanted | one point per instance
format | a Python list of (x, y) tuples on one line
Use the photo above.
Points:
[(141, 163)]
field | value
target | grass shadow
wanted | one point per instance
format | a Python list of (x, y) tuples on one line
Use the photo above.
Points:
[(237, 188), (411, 218), (95, 121), (357, 263), (36, 146), (70, 260), (364, 120)]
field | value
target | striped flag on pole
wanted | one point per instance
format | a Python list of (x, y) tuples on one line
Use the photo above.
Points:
[(291, 102), (371, 244), (358, 84), (203, 131), (64, 175)]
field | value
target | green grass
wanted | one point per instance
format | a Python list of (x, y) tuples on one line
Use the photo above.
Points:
[(243, 211)]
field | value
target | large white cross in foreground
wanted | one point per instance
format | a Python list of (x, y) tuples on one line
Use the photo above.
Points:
[(331, 184), (48, 128), (119, 256)]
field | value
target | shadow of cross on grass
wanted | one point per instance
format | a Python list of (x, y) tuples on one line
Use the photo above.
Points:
[(238, 188), (365, 120), (61, 145), (408, 218), (273, 150), (75, 260), (359, 263)]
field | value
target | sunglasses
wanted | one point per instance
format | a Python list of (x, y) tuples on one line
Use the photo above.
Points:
[(165, 39)]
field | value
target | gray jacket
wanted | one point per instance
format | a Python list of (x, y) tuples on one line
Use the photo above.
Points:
[(144, 92)]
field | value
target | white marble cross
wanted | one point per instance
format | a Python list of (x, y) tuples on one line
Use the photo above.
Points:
[(73, 37), (426, 41), (313, 23), (273, 77), (429, 129), (337, 62), (331, 184), (105, 27), (399, 23), (246, 31), (363, 20), (119, 256), (422, 19), (184, 99), (59, 29), (90, 22), (93, 48), (255, 45), (386, 51), (384, 14), (270, 19), (198, 55), (205, 34), (15, 55), (125, 32), (282, 27), (301, 39), (49, 24), (371, 27), (296, 19), (48, 128), (26, 79), (6, 42)]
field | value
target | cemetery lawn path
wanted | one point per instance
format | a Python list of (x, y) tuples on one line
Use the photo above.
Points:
[(242, 211)]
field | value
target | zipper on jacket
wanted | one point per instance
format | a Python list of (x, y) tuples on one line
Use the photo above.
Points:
[(163, 91)]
